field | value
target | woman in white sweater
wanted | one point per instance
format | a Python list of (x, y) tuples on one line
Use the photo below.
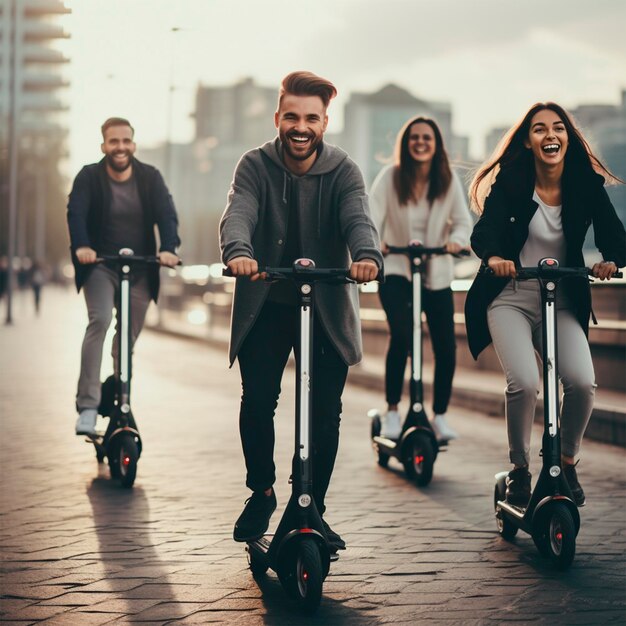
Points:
[(419, 198)]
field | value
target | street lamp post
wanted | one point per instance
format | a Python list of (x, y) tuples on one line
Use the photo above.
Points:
[(14, 139), (167, 157)]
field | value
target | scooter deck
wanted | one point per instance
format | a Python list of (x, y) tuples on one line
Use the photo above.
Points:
[(265, 541)]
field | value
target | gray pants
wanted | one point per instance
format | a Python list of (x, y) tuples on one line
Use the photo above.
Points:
[(514, 319), (100, 291)]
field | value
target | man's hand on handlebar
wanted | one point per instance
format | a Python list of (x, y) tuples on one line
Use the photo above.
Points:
[(604, 270), (169, 259), (245, 266), (364, 271), (502, 267), (86, 255)]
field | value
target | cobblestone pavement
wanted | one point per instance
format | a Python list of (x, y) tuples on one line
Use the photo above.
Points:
[(78, 549)]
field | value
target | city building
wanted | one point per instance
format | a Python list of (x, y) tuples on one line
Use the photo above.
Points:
[(33, 129)]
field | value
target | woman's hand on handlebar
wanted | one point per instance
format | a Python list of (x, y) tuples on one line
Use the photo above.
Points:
[(363, 271), (169, 259), (384, 248), (604, 270), (453, 248), (502, 267), (86, 255), (245, 266)]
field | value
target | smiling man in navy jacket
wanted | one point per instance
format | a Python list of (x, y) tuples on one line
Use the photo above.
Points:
[(115, 204)]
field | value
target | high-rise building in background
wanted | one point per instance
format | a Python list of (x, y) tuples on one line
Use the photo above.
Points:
[(31, 113)]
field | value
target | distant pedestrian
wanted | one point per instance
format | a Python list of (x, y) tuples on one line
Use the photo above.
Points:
[(537, 197), (115, 204), (4, 273), (37, 280)]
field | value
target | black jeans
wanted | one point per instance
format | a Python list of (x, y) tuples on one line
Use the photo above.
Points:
[(262, 360), (396, 297)]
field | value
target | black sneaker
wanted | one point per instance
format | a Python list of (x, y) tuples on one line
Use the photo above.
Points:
[(255, 518), (518, 486), (335, 541), (578, 494)]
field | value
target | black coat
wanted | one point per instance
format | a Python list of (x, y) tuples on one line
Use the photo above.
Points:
[(502, 231), (90, 203)]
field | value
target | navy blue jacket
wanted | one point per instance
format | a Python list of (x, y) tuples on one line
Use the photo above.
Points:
[(90, 202), (502, 231)]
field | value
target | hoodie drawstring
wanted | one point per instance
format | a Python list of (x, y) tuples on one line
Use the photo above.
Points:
[(319, 207), (284, 187)]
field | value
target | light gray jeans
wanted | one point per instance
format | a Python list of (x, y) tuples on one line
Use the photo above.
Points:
[(100, 291), (514, 319)]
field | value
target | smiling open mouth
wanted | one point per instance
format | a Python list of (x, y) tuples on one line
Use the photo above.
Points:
[(300, 139), (551, 148)]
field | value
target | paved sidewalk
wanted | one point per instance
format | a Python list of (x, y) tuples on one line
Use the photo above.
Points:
[(78, 550)]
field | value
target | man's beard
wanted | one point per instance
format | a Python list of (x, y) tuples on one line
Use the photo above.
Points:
[(315, 143), (116, 166)]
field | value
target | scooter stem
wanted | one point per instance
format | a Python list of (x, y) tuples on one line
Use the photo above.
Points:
[(551, 409)]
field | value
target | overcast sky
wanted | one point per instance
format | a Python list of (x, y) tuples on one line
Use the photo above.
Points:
[(491, 59)]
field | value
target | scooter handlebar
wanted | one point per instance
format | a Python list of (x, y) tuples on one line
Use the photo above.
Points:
[(545, 271), (130, 258), (417, 250), (303, 274)]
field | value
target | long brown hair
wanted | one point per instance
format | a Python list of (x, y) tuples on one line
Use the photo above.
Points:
[(405, 167), (511, 153)]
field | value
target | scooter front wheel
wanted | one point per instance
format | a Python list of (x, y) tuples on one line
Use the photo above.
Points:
[(555, 535), (419, 458), (128, 455), (303, 576)]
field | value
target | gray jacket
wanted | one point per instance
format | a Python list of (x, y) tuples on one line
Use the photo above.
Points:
[(335, 227)]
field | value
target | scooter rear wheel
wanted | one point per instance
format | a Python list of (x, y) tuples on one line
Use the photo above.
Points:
[(419, 459), (555, 535), (128, 455), (302, 576)]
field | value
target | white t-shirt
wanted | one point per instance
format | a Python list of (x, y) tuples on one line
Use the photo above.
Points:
[(545, 235)]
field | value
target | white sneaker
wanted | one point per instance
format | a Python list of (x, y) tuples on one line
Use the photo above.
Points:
[(443, 432), (86, 422), (391, 425)]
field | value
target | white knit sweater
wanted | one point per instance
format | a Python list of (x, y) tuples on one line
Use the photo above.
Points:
[(449, 221)]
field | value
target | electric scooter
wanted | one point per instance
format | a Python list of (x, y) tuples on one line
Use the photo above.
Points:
[(299, 551), (418, 447), (121, 443), (551, 516)]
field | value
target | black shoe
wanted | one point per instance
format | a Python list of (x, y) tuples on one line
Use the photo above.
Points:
[(578, 494), (335, 541), (255, 518), (518, 486)]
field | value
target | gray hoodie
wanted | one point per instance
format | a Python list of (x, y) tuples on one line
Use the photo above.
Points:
[(335, 227)]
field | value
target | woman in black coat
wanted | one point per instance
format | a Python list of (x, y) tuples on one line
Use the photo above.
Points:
[(537, 197)]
